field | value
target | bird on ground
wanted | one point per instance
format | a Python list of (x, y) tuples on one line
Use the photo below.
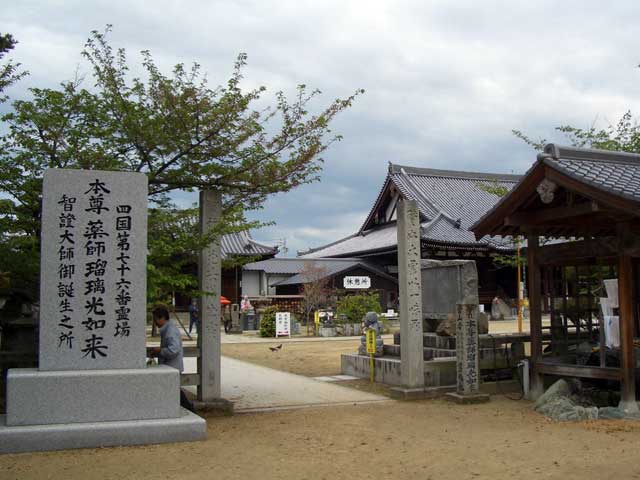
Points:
[(275, 349)]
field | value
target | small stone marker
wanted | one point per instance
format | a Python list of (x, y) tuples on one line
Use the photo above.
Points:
[(93, 280), (467, 365)]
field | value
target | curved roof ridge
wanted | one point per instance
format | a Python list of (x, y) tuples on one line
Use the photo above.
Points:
[(434, 172), (300, 254), (260, 244), (432, 223), (420, 196), (590, 154)]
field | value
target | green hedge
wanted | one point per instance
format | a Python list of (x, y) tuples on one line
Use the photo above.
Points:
[(268, 322), (356, 306)]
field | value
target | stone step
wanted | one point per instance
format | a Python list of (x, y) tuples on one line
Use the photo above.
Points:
[(187, 427)]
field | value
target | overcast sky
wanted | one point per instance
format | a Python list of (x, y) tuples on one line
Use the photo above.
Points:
[(446, 81)]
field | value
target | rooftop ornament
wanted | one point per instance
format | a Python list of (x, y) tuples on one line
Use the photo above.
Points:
[(546, 189)]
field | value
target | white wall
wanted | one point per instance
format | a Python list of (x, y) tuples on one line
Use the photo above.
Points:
[(250, 283)]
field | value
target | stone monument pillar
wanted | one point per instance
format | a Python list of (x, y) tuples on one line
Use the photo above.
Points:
[(92, 387), (467, 366), (410, 299), (210, 283)]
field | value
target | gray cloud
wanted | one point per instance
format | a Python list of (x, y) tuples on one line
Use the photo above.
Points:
[(446, 81)]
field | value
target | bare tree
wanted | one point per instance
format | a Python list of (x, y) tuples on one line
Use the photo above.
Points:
[(315, 290)]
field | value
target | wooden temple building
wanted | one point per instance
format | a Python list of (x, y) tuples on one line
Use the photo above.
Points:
[(449, 202), (589, 202)]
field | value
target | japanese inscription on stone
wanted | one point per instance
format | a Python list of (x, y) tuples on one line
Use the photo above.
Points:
[(410, 294), (93, 270), (467, 369)]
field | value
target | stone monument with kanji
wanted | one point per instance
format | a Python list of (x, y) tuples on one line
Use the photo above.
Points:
[(92, 387)]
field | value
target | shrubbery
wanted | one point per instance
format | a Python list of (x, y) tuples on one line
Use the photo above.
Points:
[(268, 322), (356, 306)]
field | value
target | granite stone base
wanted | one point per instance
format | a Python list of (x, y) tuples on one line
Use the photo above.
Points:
[(468, 399), (35, 397), (402, 393), (220, 407), (187, 427)]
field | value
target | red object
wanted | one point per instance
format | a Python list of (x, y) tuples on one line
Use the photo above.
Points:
[(224, 300)]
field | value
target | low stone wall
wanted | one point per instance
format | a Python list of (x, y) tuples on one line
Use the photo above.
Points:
[(489, 358), (439, 372)]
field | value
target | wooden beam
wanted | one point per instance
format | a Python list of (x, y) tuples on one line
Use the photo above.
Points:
[(186, 351), (580, 371), (189, 379), (535, 313), (602, 197), (625, 299), (590, 248), (550, 214)]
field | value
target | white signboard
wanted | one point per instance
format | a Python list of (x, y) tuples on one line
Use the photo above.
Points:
[(357, 282), (283, 324)]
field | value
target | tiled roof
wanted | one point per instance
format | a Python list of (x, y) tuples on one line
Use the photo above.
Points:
[(296, 266), (277, 265), (614, 172), (241, 244), (377, 239), (334, 268), (449, 203)]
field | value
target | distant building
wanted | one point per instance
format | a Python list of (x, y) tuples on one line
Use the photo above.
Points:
[(286, 276), (236, 249), (449, 202), (240, 246)]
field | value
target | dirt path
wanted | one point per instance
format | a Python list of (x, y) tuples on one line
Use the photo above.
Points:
[(254, 387), (312, 359), (426, 440)]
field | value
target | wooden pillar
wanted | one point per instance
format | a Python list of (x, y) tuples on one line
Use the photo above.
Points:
[(535, 314), (625, 299)]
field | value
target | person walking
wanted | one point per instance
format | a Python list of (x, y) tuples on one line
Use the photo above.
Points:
[(170, 350), (226, 318), (193, 315)]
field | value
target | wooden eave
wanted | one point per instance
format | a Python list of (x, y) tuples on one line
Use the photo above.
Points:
[(596, 216), (379, 203)]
